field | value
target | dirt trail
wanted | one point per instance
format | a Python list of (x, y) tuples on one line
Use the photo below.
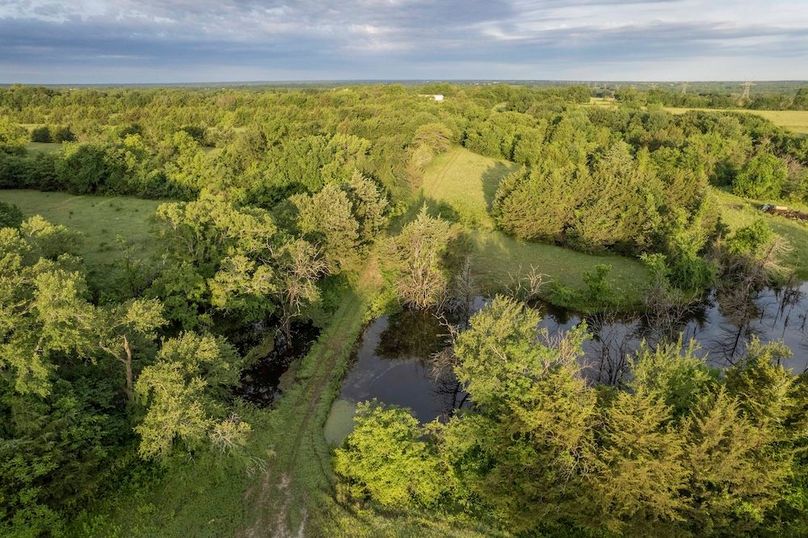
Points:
[(304, 411)]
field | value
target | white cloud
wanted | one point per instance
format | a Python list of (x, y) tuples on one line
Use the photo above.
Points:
[(413, 38)]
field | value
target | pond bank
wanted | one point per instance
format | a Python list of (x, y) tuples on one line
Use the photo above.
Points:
[(394, 365)]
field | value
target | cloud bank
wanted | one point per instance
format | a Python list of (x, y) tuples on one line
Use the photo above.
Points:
[(94, 41)]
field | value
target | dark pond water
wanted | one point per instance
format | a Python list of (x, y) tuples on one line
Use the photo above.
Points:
[(394, 362), (259, 382)]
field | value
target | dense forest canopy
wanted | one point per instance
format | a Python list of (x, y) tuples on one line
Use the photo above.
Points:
[(273, 204)]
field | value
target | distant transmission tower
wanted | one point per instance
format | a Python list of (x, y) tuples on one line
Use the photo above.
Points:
[(684, 88), (746, 86)]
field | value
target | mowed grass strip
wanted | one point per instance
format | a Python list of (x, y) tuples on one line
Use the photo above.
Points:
[(101, 220), (466, 182), (793, 120), (43, 147)]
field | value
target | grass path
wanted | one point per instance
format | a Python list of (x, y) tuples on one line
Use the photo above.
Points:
[(279, 503), (296, 496)]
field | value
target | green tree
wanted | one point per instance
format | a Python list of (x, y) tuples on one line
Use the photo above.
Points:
[(219, 258), (735, 473), (369, 206), (10, 216), (537, 203), (638, 472), (41, 134), (124, 326), (300, 267), (418, 253), (44, 313), (12, 136), (385, 458), (327, 220), (183, 391), (763, 176), (537, 415)]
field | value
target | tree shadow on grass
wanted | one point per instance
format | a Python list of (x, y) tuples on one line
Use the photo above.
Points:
[(491, 178)]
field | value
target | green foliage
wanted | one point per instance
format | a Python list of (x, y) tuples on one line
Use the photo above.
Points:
[(673, 377), (219, 256), (418, 253), (87, 169), (326, 219), (12, 136), (638, 472), (385, 458), (182, 391), (680, 450), (41, 134), (536, 410), (750, 240), (597, 287), (762, 177), (10, 216)]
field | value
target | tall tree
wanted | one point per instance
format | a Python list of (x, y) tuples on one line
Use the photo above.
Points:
[(123, 327), (419, 252)]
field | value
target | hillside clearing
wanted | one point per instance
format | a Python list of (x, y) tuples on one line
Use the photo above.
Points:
[(43, 147), (465, 183), (793, 120), (103, 222)]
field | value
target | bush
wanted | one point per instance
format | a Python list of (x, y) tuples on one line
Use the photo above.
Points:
[(762, 177), (64, 134), (41, 134), (10, 216), (87, 168)]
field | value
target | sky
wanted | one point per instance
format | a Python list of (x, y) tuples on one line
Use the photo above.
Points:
[(165, 41)]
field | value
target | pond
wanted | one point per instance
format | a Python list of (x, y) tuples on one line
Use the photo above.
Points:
[(394, 360), (260, 381)]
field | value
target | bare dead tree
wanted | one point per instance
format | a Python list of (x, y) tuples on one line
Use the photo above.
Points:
[(526, 286)]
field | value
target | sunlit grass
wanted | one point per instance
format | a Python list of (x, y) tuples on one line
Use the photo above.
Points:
[(737, 212), (103, 222), (793, 120), (464, 183)]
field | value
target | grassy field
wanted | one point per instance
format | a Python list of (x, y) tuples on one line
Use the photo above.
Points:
[(737, 212), (102, 221), (793, 120), (43, 147), (466, 183)]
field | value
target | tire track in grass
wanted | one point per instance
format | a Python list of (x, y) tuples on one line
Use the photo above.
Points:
[(288, 482)]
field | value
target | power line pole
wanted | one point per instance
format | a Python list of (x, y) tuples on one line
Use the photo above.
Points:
[(746, 86), (684, 88)]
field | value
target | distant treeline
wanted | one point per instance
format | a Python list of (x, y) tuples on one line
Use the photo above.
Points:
[(790, 100)]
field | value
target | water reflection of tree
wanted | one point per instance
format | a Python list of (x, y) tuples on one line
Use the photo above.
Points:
[(413, 333)]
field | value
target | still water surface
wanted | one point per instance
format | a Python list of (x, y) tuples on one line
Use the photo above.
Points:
[(394, 360)]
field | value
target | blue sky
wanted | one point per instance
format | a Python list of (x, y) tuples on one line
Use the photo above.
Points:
[(128, 41)]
